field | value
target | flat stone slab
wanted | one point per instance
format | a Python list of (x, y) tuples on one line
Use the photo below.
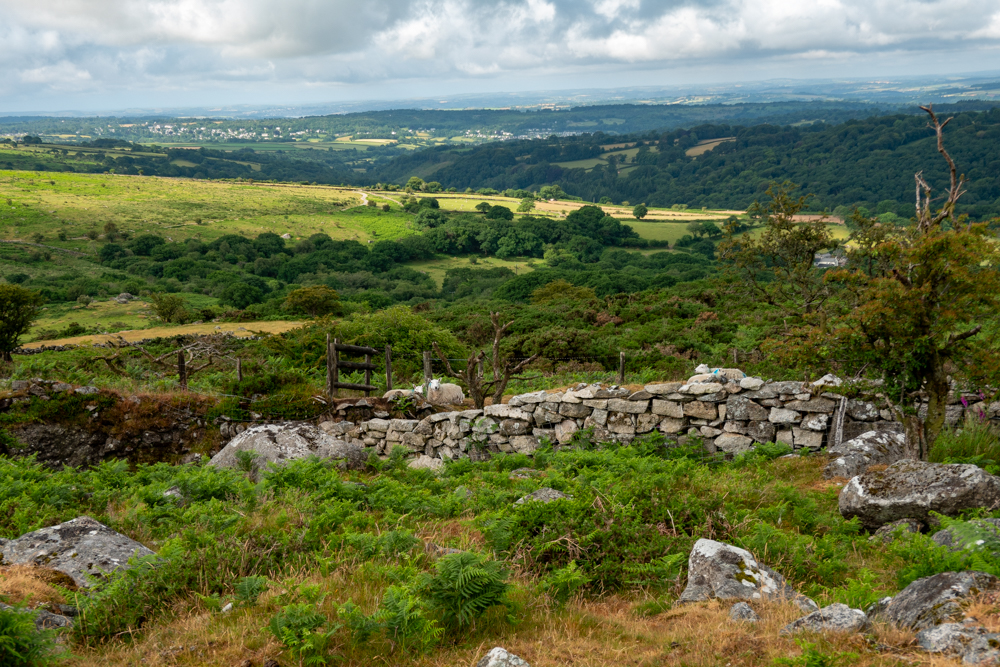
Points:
[(938, 599), (911, 489), (852, 457), (83, 548)]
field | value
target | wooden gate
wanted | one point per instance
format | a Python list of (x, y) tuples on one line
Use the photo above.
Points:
[(334, 364)]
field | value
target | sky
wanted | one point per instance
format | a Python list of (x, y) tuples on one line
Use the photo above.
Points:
[(101, 54)]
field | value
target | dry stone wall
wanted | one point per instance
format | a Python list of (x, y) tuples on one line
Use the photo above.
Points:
[(722, 408)]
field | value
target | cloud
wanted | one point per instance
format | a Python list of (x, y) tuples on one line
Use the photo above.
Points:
[(144, 45)]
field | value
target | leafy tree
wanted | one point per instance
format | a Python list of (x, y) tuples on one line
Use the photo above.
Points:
[(527, 205), (640, 211), (314, 301), (168, 307), (241, 294), (777, 266), (499, 213), (913, 308), (415, 183), (19, 307), (484, 207), (695, 228), (562, 290)]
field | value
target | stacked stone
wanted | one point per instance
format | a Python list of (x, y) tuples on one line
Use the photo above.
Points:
[(723, 409)]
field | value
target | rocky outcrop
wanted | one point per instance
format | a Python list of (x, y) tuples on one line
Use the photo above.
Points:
[(721, 571), (287, 441), (941, 598), (85, 549), (543, 495), (743, 612), (890, 531), (835, 618), (501, 657), (971, 642), (912, 489), (851, 458)]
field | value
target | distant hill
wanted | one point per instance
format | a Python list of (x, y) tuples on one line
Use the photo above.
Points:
[(868, 162)]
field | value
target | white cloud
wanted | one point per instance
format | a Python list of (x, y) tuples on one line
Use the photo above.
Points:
[(181, 44)]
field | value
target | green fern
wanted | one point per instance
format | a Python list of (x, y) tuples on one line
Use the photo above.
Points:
[(979, 539), (656, 571), (464, 587), (248, 589)]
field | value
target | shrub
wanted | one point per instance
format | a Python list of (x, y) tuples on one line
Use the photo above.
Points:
[(976, 442)]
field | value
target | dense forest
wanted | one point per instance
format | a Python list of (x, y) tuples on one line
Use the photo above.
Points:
[(868, 163)]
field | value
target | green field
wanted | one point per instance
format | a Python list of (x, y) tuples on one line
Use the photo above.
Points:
[(436, 268), (659, 231)]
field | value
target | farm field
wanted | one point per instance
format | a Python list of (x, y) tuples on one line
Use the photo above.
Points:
[(236, 329)]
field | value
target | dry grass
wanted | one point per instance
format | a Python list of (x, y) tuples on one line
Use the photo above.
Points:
[(31, 585), (238, 330)]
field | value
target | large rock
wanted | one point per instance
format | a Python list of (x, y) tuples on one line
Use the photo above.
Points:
[(85, 549), (543, 495), (912, 489), (501, 657), (741, 611), (974, 644), (287, 441), (853, 457), (938, 599), (739, 408), (721, 571), (424, 462), (835, 618)]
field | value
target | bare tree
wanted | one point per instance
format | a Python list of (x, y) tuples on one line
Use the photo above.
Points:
[(504, 368)]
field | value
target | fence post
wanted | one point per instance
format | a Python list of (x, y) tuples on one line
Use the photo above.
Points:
[(334, 358), (388, 368), (621, 367), (239, 370), (181, 370), (428, 373), (368, 374)]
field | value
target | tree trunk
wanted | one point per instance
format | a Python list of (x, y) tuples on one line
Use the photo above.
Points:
[(937, 404), (916, 437)]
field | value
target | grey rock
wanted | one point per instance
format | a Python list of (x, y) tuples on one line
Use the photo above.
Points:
[(664, 388), (501, 657), (948, 538), (640, 396), (938, 599), (890, 531), (502, 411), (816, 421), (87, 391), (835, 618), (424, 462), (792, 387), (854, 429), (973, 643), (701, 410), (853, 457), (740, 408), (668, 409), (721, 571), (912, 489), (782, 416), (734, 443), (543, 495), (813, 405), (628, 407), (287, 441), (82, 548), (763, 431), (575, 410), (741, 611), (876, 610), (514, 427), (802, 437), (524, 444), (862, 411), (751, 384)]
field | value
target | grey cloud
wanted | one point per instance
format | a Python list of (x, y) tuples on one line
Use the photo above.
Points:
[(160, 45)]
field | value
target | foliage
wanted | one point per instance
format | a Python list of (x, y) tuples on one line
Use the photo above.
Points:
[(564, 583), (296, 626), (640, 211), (315, 301), (976, 442), (19, 307), (170, 308), (464, 586), (813, 656), (22, 644)]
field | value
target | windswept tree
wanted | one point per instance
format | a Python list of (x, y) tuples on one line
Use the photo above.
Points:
[(19, 307), (778, 265), (911, 308)]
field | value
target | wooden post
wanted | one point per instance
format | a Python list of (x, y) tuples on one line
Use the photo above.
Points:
[(181, 371), (239, 369), (334, 364), (428, 373), (621, 367), (329, 369), (388, 368), (368, 374)]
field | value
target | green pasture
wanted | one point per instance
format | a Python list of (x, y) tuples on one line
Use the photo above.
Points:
[(659, 231), (436, 268)]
